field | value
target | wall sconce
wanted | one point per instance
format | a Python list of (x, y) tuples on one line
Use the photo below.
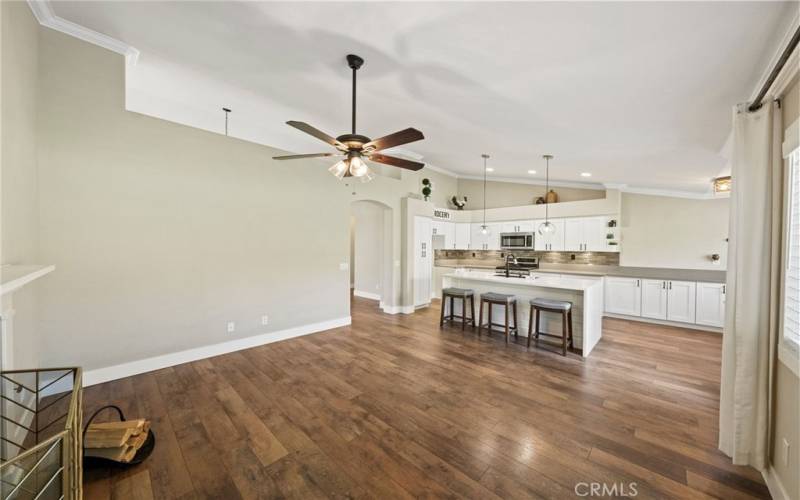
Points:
[(722, 185)]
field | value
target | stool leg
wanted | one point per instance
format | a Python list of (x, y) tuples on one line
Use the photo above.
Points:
[(571, 337), (564, 333), (536, 325), (463, 313), (452, 311), (507, 307), (480, 319), (441, 317), (516, 330), (489, 325), (472, 307), (530, 326)]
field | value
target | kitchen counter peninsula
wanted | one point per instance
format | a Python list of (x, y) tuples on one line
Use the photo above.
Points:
[(586, 295)]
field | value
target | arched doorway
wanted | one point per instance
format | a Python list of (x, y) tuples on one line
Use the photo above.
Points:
[(371, 251)]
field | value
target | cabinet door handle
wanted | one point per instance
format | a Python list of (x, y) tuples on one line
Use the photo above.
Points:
[(724, 288), (637, 283), (663, 285), (670, 285)]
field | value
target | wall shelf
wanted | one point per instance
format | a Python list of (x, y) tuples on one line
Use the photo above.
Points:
[(13, 276)]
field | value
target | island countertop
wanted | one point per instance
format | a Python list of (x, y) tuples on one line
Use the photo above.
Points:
[(561, 283)]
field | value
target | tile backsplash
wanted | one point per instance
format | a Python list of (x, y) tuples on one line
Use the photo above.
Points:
[(491, 258)]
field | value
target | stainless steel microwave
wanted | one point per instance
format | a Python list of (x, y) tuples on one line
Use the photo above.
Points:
[(518, 241)]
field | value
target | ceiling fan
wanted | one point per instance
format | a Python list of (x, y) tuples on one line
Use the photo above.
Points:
[(355, 148)]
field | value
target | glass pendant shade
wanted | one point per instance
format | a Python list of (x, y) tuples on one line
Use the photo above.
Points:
[(339, 169), (368, 176), (484, 229), (546, 228), (358, 167)]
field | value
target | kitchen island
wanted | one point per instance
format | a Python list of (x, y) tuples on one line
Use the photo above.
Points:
[(586, 295)]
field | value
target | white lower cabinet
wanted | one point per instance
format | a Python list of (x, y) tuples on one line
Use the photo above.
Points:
[(654, 299), (681, 301), (623, 296), (710, 304)]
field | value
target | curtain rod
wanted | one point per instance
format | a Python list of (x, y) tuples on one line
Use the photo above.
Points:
[(776, 71)]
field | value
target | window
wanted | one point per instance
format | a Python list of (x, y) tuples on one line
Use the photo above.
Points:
[(791, 304)]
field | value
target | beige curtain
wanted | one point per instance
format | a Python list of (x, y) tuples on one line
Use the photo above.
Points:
[(753, 286)]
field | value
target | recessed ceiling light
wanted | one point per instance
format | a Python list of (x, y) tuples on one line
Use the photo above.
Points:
[(531, 172), (489, 169), (586, 174)]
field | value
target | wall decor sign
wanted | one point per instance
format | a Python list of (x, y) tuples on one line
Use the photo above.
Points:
[(440, 213)]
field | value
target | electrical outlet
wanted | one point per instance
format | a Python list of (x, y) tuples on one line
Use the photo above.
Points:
[(265, 320), (231, 327), (785, 452)]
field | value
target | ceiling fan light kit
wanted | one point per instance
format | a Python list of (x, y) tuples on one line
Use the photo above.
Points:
[(357, 148)]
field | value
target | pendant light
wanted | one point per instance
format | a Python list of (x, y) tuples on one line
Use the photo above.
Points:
[(484, 227), (547, 227)]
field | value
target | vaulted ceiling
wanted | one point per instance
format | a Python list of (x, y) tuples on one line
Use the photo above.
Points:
[(636, 93)]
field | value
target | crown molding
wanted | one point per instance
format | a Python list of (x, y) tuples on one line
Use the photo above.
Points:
[(670, 193), (43, 12), (536, 182)]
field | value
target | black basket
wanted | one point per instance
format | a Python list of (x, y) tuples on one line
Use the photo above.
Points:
[(141, 454)]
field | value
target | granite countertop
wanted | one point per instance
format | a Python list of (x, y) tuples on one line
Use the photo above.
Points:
[(620, 271)]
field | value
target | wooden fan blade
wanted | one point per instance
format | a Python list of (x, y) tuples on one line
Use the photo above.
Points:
[(319, 134), (297, 157), (396, 139), (396, 162)]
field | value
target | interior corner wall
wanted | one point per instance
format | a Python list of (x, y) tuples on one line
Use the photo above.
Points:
[(19, 220), (662, 231), (162, 234)]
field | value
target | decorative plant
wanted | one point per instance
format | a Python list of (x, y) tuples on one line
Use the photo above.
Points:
[(427, 188), (459, 204)]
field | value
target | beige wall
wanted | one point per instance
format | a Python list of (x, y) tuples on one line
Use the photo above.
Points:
[(19, 206), (660, 231), (161, 233), (787, 385), (368, 247), (509, 194)]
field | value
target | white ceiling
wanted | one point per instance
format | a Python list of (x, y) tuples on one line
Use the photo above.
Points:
[(634, 93)]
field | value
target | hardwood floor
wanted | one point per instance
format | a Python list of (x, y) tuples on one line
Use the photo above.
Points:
[(394, 407)]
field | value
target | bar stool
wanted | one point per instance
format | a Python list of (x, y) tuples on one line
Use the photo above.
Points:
[(458, 293), (562, 307), (500, 299)]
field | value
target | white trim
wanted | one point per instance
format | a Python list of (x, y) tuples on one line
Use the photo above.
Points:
[(691, 326), (665, 192), (367, 295), (13, 277), (442, 171), (790, 69), (788, 355), (100, 375), (43, 12), (791, 138), (776, 489), (537, 182), (397, 309)]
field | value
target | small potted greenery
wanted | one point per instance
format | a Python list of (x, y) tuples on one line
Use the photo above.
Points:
[(427, 188)]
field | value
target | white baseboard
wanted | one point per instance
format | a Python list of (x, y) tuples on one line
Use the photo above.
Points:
[(397, 309), (367, 295), (691, 326), (774, 484), (100, 375)]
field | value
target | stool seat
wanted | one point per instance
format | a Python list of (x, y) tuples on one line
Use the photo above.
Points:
[(498, 297), (560, 305), (458, 292), (462, 294)]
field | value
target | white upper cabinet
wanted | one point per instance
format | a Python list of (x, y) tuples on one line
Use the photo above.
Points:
[(623, 296), (711, 304), (462, 236), (654, 299), (587, 234), (681, 301), (480, 241), (552, 242), (446, 230), (517, 226)]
